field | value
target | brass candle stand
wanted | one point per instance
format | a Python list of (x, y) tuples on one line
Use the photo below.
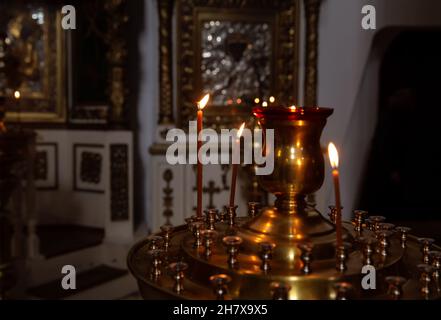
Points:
[(287, 251)]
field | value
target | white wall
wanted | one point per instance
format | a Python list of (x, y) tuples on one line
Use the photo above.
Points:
[(65, 204), (346, 84)]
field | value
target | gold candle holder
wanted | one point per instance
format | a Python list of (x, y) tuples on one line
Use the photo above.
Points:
[(294, 228)]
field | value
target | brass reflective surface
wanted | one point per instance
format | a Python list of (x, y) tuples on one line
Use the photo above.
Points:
[(298, 171), (289, 225), (250, 282)]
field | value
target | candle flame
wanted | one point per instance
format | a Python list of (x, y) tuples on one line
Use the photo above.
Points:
[(333, 155), (293, 108), (265, 104), (203, 102), (17, 94), (272, 99), (293, 153), (239, 133)]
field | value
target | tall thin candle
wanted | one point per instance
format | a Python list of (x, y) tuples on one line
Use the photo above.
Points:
[(17, 96), (333, 158), (201, 105), (235, 166)]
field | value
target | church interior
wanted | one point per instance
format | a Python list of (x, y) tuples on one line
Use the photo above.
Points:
[(92, 208)]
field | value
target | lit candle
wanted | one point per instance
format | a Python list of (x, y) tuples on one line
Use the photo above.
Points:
[(201, 105), (235, 167), (333, 158), (17, 96)]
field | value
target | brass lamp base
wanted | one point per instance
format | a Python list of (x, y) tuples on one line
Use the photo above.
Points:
[(287, 251), (288, 230), (249, 281)]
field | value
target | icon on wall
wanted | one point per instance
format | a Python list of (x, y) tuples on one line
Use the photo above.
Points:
[(46, 166), (88, 167)]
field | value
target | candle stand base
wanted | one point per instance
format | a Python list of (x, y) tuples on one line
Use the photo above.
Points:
[(288, 251)]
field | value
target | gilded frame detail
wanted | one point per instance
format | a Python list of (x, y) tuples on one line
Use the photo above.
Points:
[(285, 14)]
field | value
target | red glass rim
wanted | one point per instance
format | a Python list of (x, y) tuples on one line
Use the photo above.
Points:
[(291, 113)]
